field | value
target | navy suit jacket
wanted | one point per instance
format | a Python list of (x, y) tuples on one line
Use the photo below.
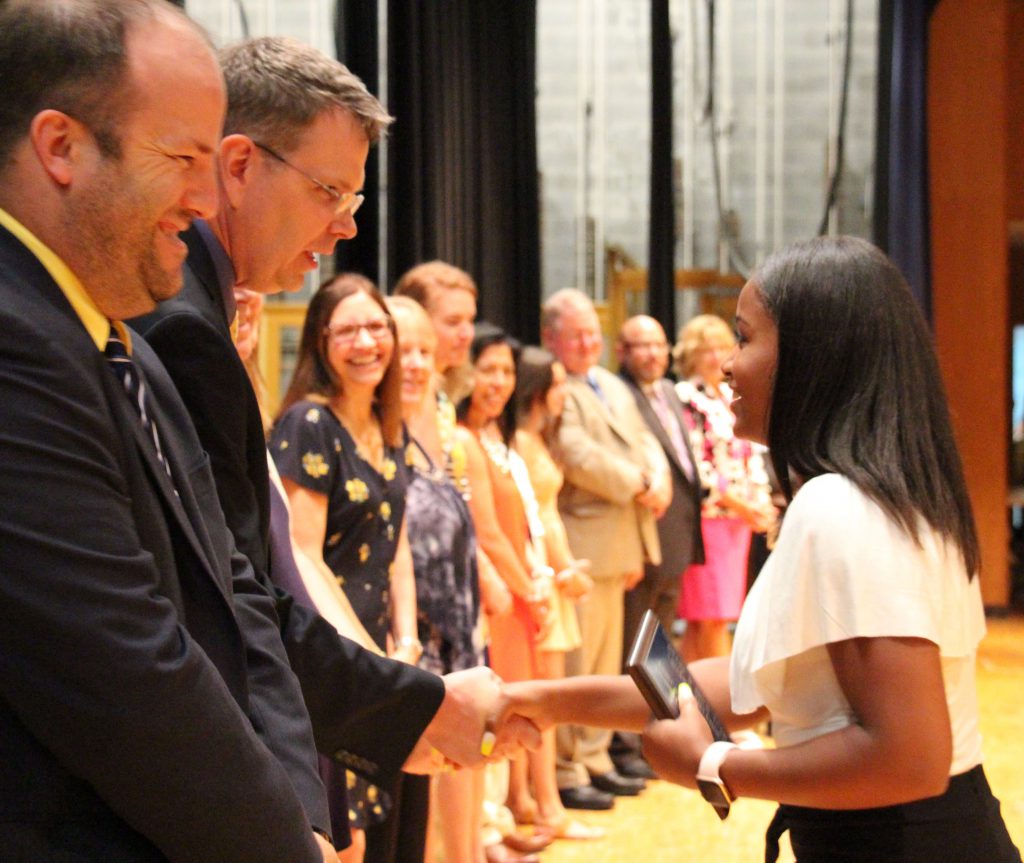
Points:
[(367, 711), (137, 654), (679, 528)]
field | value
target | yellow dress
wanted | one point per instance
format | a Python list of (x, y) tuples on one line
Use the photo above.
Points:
[(546, 478)]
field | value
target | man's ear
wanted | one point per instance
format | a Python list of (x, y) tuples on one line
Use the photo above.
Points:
[(59, 142), (236, 158)]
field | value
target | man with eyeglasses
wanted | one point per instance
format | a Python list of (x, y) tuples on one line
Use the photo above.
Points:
[(643, 354), (616, 485), (290, 168)]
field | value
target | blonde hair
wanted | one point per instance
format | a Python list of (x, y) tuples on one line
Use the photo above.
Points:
[(423, 281), (403, 305), (693, 336)]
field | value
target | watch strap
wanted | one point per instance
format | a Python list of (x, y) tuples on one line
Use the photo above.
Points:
[(711, 762)]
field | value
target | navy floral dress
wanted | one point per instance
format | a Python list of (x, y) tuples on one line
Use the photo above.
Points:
[(364, 508), (443, 546), (313, 449)]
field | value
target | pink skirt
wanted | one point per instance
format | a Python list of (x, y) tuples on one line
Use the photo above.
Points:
[(714, 590)]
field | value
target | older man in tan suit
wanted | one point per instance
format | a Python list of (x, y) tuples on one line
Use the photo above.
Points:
[(616, 485)]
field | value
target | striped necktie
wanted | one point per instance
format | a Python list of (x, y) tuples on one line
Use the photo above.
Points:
[(124, 369)]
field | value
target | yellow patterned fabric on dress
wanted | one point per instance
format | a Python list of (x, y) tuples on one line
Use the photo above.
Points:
[(365, 510), (314, 464), (357, 490)]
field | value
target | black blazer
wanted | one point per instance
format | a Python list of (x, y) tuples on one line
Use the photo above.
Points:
[(133, 668), (679, 529), (367, 711)]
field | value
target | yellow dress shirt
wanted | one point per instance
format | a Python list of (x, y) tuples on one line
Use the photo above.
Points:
[(94, 321)]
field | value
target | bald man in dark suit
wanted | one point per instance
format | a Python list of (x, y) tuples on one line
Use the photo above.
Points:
[(643, 353)]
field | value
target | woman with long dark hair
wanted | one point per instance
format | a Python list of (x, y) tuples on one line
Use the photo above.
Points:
[(860, 635), (539, 397), (337, 443), (500, 514), (505, 514)]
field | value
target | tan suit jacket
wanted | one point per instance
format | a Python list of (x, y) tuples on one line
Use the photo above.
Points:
[(604, 447)]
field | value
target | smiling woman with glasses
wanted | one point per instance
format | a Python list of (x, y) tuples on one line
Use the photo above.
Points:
[(339, 448), (377, 329), (342, 202)]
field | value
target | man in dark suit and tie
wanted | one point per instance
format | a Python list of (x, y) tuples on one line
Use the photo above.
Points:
[(147, 711), (290, 169), (643, 353)]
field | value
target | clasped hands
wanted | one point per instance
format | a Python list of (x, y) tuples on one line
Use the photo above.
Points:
[(483, 719), (472, 726), (672, 747)]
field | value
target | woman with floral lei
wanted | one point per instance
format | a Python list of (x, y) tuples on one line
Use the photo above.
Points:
[(338, 445), (737, 494)]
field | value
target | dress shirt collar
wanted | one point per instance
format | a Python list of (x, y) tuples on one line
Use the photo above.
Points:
[(95, 322)]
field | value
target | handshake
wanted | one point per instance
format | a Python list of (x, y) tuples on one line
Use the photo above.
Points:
[(477, 722)]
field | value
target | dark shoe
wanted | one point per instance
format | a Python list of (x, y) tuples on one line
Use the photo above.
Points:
[(585, 797), (615, 783), (634, 768)]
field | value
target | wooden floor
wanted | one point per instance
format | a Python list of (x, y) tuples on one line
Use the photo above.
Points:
[(669, 824)]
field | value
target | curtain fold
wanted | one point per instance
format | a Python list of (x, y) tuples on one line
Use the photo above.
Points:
[(356, 44), (661, 292), (462, 158), (901, 213)]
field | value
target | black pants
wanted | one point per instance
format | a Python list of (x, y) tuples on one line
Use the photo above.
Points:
[(402, 836), (961, 826)]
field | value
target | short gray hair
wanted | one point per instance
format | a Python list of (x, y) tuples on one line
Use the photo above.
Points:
[(558, 303), (277, 87)]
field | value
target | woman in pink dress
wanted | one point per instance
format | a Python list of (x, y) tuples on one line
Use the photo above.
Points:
[(737, 492)]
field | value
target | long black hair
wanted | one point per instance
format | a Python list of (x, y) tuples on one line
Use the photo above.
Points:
[(857, 389), (485, 335)]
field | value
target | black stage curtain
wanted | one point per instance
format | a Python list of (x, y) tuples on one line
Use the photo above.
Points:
[(902, 216), (355, 40), (462, 158), (661, 292)]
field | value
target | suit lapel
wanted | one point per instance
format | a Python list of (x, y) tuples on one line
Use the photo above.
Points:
[(659, 431), (13, 253), (177, 497), (200, 262), (676, 406), (611, 410)]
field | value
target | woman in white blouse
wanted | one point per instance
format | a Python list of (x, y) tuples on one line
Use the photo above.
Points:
[(858, 639)]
